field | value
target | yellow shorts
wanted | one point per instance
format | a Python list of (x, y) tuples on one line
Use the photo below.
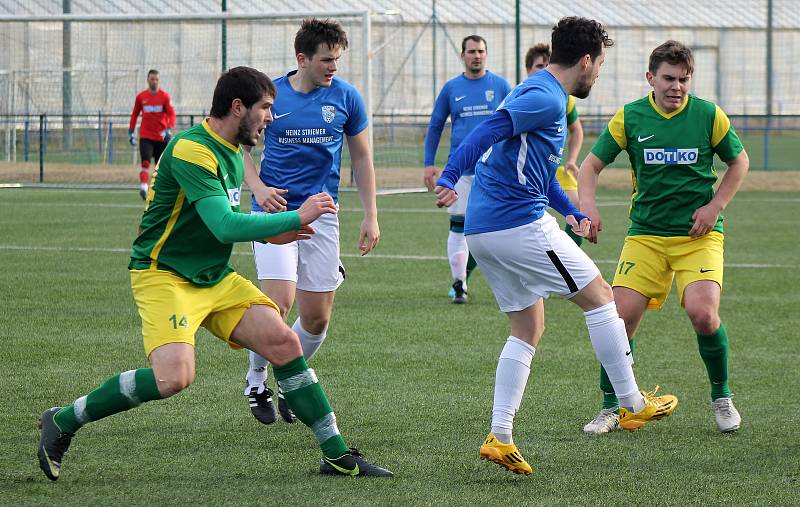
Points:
[(172, 309), (565, 179), (648, 264)]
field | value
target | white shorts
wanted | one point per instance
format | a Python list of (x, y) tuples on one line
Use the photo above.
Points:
[(463, 186), (530, 262), (313, 264)]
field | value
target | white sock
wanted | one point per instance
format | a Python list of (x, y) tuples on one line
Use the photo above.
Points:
[(257, 374), (513, 369), (309, 342), (610, 343), (457, 254)]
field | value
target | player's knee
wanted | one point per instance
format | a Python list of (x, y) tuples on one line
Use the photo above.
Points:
[(316, 324), (704, 320), (284, 345), (174, 382), (283, 309), (598, 292)]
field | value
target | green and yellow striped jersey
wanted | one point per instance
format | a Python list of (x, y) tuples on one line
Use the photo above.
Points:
[(671, 157), (196, 164), (572, 111)]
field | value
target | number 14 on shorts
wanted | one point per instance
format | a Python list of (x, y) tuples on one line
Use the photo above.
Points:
[(179, 321)]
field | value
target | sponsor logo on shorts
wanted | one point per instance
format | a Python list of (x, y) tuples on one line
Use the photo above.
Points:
[(670, 156)]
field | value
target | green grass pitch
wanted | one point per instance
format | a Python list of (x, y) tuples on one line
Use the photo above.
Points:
[(409, 374)]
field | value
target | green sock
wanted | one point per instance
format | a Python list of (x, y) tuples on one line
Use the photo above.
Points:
[(577, 239), (714, 351), (118, 394), (471, 264), (609, 397), (309, 403)]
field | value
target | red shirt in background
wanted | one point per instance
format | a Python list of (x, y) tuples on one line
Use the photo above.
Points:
[(157, 114)]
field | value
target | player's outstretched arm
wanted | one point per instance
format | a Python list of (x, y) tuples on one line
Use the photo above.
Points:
[(229, 226), (309, 211), (492, 130), (269, 198), (316, 206), (705, 218), (361, 155), (559, 201), (588, 176)]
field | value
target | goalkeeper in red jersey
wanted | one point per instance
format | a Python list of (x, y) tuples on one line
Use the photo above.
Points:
[(158, 117)]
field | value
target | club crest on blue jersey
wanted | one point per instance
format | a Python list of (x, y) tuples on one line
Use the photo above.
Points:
[(489, 95), (328, 113)]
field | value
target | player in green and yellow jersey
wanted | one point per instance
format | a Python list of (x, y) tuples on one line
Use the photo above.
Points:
[(671, 138), (537, 58), (181, 279)]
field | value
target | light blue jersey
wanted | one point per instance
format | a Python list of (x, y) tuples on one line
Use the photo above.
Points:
[(513, 177), (303, 145), (467, 102)]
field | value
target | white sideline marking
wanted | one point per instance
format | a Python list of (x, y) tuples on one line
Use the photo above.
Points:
[(432, 209), (346, 255)]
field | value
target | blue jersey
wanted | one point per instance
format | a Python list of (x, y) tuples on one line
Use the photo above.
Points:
[(513, 177), (303, 145), (468, 102)]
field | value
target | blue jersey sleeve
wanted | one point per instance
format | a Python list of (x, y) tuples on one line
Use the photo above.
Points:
[(496, 128), (559, 201), (441, 110), (357, 119), (533, 109)]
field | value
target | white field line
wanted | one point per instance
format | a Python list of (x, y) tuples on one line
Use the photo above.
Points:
[(57, 249)]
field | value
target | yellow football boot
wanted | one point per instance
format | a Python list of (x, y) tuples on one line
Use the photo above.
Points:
[(655, 407), (505, 455)]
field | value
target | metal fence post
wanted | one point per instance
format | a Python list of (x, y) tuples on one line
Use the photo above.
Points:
[(42, 137), (110, 143), (26, 139), (100, 134)]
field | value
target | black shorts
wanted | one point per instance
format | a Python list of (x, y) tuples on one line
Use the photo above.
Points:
[(149, 149)]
